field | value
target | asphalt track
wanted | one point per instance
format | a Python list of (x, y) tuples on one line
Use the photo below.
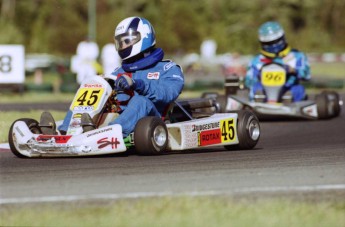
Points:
[(291, 157)]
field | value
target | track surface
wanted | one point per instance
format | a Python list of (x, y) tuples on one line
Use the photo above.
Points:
[(290, 156)]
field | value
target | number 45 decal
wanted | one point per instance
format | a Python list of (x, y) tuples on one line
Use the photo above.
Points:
[(88, 97), (228, 130)]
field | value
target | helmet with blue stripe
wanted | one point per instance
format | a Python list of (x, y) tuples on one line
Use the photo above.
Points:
[(272, 37), (134, 35)]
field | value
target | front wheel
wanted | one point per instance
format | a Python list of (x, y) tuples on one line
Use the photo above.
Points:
[(150, 136), (248, 130), (34, 128), (333, 102), (328, 104)]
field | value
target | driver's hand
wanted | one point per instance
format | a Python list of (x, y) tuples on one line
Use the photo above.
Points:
[(124, 82)]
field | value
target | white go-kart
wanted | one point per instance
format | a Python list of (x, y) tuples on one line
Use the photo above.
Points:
[(187, 125)]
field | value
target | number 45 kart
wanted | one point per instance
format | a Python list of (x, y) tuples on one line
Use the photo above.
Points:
[(274, 103), (188, 124)]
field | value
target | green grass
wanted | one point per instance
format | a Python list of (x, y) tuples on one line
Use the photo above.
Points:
[(335, 70), (36, 97), (179, 211)]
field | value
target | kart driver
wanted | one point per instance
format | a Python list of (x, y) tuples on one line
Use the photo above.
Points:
[(145, 82), (274, 48)]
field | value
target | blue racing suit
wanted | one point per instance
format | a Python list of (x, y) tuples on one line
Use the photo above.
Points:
[(293, 59), (163, 82)]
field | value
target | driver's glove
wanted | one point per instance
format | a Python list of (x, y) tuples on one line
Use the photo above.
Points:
[(125, 83)]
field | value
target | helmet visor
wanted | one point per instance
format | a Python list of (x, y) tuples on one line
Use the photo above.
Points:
[(126, 39), (274, 46)]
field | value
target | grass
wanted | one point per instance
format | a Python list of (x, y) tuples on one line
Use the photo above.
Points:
[(334, 70), (36, 97), (179, 211)]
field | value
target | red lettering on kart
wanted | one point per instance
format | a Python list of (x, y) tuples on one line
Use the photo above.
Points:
[(57, 138), (93, 85), (209, 137), (104, 142)]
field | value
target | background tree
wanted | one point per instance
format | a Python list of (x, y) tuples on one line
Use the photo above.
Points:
[(57, 26)]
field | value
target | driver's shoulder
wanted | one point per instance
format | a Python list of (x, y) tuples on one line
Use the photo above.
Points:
[(167, 64)]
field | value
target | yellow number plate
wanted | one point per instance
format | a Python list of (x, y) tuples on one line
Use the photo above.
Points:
[(228, 130), (271, 78), (87, 98)]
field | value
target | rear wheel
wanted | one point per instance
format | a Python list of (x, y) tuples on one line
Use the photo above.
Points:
[(34, 128), (248, 130), (150, 136)]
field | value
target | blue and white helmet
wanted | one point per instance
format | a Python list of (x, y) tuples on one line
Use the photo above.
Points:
[(272, 37), (133, 36)]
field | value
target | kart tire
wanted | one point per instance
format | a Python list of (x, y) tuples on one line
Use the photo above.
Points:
[(327, 105), (248, 130), (322, 103), (34, 128), (150, 136), (333, 100)]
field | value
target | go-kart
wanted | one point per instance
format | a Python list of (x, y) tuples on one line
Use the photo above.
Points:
[(187, 124), (274, 102)]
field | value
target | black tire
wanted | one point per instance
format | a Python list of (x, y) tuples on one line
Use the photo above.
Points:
[(248, 131), (334, 107), (328, 105), (321, 102), (34, 128), (150, 136)]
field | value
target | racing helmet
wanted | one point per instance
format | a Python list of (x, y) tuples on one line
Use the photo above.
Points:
[(272, 37), (134, 35)]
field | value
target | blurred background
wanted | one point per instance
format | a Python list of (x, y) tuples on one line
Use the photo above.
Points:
[(50, 31)]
